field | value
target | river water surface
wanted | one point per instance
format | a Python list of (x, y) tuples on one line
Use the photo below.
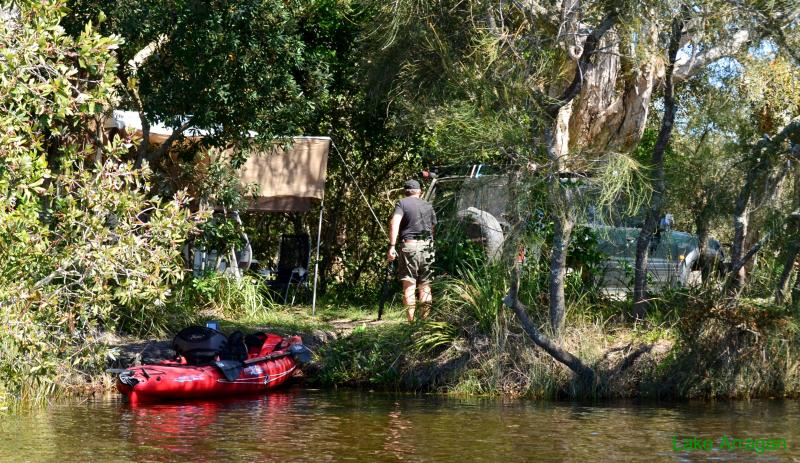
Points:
[(308, 425)]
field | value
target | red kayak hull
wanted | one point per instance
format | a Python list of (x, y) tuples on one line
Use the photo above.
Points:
[(171, 380)]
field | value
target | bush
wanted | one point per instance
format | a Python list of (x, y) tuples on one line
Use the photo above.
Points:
[(86, 249), (366, 356), (221, 295)]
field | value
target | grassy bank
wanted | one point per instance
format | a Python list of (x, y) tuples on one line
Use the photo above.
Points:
[(719, 359), (689, 347), (695, 343)]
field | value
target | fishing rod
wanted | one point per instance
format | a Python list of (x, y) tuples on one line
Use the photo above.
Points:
[(385, 288)]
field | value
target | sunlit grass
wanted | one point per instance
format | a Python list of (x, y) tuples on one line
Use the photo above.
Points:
[(285, 319)]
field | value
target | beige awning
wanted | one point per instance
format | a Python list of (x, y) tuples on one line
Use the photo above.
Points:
[(289, 179)]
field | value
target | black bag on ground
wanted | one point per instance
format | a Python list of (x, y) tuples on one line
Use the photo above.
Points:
[(235, 348), (199, 344)]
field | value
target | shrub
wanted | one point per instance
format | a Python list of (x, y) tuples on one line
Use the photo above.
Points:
[(86, 249)]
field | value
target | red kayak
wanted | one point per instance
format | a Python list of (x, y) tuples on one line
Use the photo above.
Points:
[(210, 364)]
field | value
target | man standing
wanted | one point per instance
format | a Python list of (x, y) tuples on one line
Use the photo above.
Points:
[(411, 231)]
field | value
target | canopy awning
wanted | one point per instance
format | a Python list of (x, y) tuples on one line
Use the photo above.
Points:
[(290, 176)]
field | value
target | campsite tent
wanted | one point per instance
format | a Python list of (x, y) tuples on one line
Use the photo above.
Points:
[(290, 176)]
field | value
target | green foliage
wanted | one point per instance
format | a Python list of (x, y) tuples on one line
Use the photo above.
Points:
[(232, 66), (220, 234), (432, 335), (473, 296), (622, 189), (587, 256), (366, 356), (221, 295), (455, 250), (90, 245), (737, 350), (86, 249)]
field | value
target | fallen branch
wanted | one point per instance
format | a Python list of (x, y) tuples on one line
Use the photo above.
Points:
[(573, 363)]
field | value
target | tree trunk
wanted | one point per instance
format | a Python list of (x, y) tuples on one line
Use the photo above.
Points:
[(788, 266), (330, 239), (640, 268), (562, 231), (794, 242), (651, 222), (611, 112), (741, 212), (553, 127), (705, 261), (702, 211), (702, 230), (796, 291)]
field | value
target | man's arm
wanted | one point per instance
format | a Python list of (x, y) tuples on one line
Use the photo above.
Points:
[(394, 231)]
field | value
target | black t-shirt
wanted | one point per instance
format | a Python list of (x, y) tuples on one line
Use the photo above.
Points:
[(418, 218)]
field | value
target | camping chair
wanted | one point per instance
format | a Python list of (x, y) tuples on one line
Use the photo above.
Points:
[(293, 262)]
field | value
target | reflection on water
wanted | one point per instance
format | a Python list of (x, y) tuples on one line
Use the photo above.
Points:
[(304, 425)]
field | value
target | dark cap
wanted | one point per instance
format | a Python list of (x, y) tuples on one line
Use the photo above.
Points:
[(411, 185)]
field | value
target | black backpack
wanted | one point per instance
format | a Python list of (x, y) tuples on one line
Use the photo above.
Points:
[(199, 345)]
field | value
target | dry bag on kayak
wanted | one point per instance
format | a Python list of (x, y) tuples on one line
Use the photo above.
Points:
[(199, 344)]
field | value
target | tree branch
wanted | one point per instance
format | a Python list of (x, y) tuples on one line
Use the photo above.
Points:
[(688, 66), (657, 162), (769, 18), (573, 363), (133, 65), (176, 133), (752, 252)]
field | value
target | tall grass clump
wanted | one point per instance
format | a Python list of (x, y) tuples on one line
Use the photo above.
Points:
[(220, 295), (472, 297), (367, 356)]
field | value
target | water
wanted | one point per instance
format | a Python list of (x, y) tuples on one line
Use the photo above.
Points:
[(307, 425)]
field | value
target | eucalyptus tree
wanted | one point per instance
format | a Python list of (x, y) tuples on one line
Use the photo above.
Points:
[(764, 130), (657, 162), (718, 177), (570, 84)]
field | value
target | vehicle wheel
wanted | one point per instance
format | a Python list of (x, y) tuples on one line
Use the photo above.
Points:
[(482, 227)]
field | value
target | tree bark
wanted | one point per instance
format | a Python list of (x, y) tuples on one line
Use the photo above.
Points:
[(158, 153), (788, 266), (741, 213), (562, 231), (559, 198), (702, 210), (573, 363), (651, 222), (133, 67), (611, 111), (796, 290), (702, 230)]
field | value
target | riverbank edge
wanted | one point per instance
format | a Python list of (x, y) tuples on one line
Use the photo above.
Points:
[(386, 357)]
